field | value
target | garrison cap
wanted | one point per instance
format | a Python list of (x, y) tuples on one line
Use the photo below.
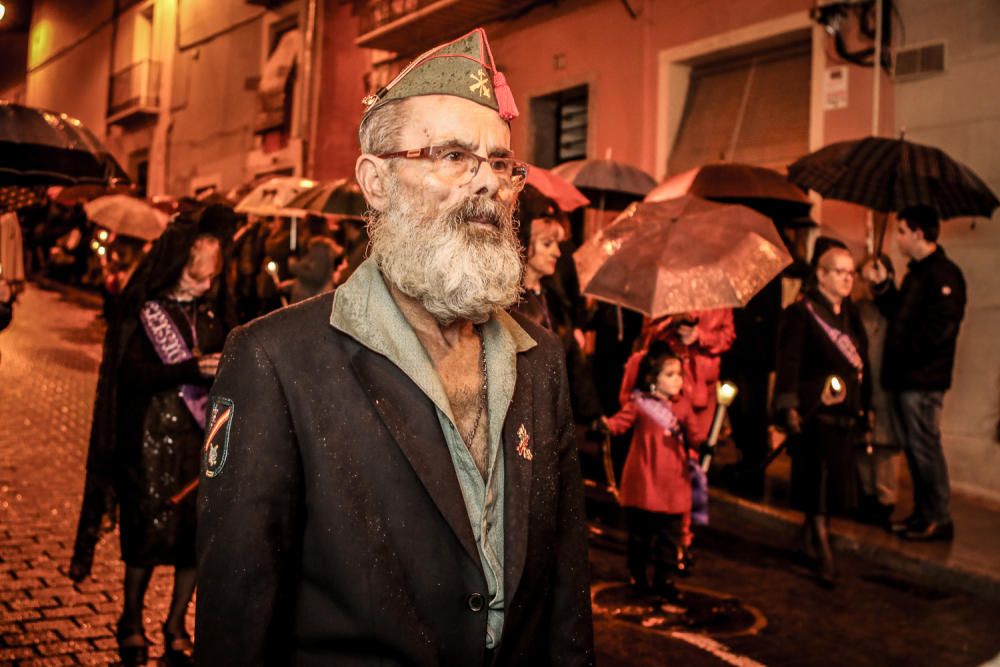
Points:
[(463, 68)]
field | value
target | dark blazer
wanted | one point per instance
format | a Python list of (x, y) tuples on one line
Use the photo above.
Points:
[(336, 532), (806, 357)]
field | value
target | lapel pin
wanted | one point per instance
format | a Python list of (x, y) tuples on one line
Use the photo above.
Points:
[(523, 450)]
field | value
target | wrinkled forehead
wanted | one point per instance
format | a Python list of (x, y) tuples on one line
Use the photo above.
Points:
[(435, 120)]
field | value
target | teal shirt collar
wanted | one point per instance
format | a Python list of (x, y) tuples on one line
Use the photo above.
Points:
[(364, 309)]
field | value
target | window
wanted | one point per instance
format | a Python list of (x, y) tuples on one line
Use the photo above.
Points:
[(560, 126), (276, 92), (753, 109)]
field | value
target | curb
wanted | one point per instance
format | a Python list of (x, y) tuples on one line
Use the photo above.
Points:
[(780, 528)]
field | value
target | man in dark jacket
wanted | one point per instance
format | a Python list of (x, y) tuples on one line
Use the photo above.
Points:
[(390, 475), (924, 315)]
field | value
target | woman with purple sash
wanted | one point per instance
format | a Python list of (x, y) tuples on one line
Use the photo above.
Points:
[(821, 398), (161, 353)]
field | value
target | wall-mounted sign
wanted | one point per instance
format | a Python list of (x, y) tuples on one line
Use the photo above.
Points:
[(835, 88)]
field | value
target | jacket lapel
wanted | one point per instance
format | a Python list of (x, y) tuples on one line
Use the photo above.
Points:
[(517, 477), (411, 419)]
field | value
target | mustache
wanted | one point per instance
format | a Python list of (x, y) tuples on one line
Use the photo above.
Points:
[(495, 213)]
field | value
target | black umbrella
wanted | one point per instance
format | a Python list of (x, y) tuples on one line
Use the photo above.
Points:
[(39, 147), (608, 184), (888, 175)]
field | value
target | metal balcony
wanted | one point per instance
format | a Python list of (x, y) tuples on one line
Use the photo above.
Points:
[(135, 92), (411, 26)]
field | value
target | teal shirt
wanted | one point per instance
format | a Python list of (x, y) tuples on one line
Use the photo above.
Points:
[(364, 309)]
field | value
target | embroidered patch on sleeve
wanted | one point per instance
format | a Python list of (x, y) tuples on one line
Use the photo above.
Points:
[(216, 447)]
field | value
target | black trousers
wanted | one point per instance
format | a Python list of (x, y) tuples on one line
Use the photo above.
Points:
[(653, 537)]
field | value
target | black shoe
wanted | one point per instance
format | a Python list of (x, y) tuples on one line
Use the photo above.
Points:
[(931, 532), (685, 562), (178, 651), (665, 588), (900, 527), (133, 647), (638, 585), (826, 574), (883, 514)]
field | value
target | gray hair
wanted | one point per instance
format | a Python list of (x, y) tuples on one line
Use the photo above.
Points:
[(380, 128)]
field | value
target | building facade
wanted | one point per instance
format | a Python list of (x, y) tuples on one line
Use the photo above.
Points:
[(194, 95)]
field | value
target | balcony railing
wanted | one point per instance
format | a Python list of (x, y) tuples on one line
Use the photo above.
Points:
[(410, 26), (135, 90)]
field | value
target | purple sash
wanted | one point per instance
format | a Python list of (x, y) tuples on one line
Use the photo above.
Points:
[(841, 340), (659, 411), (171, 348)]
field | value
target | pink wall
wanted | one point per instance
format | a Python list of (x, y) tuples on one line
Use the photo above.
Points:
[(600, 45), (340, 91)]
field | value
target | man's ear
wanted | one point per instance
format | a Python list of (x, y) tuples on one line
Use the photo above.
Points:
[(369, 172)]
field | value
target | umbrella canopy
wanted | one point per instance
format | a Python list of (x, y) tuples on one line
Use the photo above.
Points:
[(614, 184), (764, 190), (127, 216), (271, 195), (663, 258), (566, 196), (889, 175), (83, 193), (342, 197), (39, 147)]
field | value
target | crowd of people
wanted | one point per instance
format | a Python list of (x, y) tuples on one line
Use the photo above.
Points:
[(388, 468)]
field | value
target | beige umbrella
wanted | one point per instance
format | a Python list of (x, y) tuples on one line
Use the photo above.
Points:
[(127, 216), (662, 258), (270, 196)]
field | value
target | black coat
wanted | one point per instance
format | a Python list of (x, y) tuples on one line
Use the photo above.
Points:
[(924, 316), (336, 533), (159, 442), (806, 357), (823, 476)]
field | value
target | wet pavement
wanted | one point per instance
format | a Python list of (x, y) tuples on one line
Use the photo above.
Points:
[(746, 605)]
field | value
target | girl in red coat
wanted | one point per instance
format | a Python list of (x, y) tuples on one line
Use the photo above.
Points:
[(655, 487)]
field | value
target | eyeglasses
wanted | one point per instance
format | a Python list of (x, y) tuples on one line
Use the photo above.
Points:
[(459, 166)]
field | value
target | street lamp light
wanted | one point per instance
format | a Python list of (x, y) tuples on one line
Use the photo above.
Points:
[(3, 11)]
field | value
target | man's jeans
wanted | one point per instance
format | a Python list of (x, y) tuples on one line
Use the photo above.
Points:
[(918, 429)]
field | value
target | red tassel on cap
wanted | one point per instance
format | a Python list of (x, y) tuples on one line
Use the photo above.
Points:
[(505, 98)]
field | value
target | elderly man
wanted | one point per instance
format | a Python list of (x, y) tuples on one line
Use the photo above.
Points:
[(390, 475)]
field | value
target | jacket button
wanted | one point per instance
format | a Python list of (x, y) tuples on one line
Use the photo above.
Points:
[(475, 602)]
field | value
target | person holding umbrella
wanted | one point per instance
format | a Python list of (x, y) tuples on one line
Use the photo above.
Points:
[(821, 394), (924, 315)]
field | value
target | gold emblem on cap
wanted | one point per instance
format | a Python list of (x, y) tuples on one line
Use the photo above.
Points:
[(481, 85)]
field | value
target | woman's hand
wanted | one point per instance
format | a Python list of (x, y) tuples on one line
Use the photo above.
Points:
[(208, 364)]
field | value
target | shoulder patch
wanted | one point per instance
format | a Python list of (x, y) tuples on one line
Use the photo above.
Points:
[(216, 448)]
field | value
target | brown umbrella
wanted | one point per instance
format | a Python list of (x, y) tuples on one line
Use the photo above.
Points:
[(662, 258), (764, 190)]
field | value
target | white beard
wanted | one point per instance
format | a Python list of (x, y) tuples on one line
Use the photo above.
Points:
[(458, 270)]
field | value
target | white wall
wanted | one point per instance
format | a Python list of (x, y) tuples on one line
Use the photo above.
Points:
[(959, 111)]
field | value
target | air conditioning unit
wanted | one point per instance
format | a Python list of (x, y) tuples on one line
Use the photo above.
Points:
[(915, 62)]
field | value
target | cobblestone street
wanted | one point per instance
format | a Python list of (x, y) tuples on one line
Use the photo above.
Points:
[(48, 372)]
